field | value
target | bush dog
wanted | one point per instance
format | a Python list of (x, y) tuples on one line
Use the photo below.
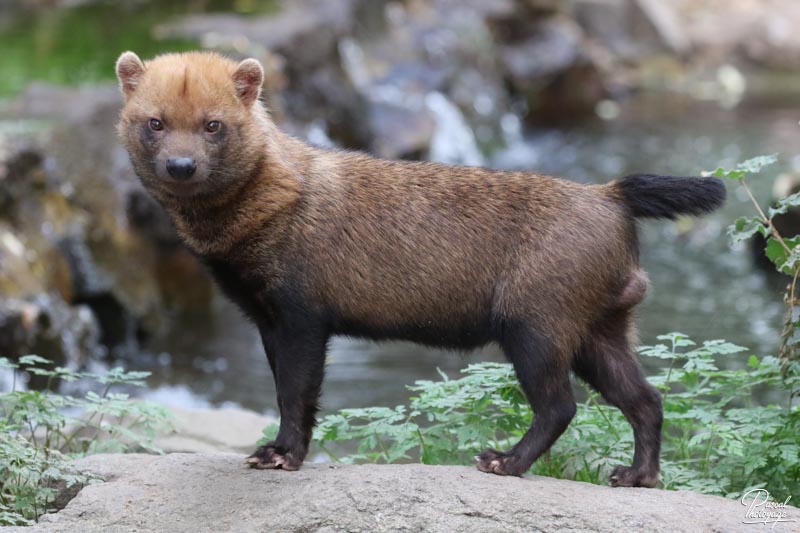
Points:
[(311, 243)]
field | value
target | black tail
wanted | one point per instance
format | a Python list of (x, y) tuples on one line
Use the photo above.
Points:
[(651, 196)]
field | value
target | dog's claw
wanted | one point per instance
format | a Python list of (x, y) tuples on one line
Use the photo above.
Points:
[(269, 457)]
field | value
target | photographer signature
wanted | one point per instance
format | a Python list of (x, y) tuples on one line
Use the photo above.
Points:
[(763, 510)]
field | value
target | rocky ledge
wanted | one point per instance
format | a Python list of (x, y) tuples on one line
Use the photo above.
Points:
[(216, 492)]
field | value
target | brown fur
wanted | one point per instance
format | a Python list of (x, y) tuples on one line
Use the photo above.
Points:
[(313, 242)]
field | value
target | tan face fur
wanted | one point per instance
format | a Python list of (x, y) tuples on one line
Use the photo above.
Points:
[(188, 121)]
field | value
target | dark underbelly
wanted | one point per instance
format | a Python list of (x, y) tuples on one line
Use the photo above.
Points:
[(444, 334)]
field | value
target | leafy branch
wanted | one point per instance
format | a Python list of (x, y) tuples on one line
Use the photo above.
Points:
[(783, 251)]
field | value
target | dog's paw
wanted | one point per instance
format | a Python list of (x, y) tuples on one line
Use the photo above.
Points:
[(627, 476), (270, 456), (500, 463)]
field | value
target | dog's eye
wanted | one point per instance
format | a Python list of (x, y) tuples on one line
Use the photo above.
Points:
[(213, 126), (156, 125)]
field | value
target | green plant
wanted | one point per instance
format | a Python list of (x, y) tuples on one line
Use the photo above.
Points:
[(782, 250), (446, 422), (31, 478), (717, 439), (41, 430)]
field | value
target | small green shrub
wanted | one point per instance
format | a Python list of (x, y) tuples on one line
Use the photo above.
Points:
[(30, 478), (41, 430), (782, 250), (716, 438)]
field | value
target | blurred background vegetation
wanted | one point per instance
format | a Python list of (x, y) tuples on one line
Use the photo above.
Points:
[(91, 272)]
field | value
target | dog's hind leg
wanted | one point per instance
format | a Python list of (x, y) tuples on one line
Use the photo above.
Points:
[(609, 364), (543, 374)]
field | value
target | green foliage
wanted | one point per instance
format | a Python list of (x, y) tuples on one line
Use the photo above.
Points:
[(751, 166), (716, 438), (782, 250), (270, 432), (784, 255), (40, 431), (745, 227), (30, 478), (444, 423), (78, 42)]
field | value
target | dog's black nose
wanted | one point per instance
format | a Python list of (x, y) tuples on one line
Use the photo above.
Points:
[(181, 168)]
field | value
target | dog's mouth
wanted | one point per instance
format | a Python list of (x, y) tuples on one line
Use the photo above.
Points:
[(183, 188)]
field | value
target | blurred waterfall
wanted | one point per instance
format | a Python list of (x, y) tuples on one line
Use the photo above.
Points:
[(453, 141)]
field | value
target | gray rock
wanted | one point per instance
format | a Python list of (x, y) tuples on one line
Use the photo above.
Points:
[(400, 132), (608, 22), (304, 34), (663, 18), (362, 80), (213, 430), (633, 29), (304, 30), (85, 226), (46, 325), (552, 47), (216, 492)]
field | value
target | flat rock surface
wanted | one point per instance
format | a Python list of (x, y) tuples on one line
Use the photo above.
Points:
[(212, 430), (216, 492)]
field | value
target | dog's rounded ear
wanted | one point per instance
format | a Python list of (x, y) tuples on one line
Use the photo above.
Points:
[(248, 78), (129, 70)]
